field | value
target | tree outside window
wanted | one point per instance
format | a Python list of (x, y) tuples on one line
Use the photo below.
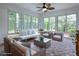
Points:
[(61, 23), (11, 22), (52, 23), (46, 23), (71, 24)]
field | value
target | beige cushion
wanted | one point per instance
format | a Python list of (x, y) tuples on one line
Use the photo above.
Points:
[(57, 36), (13, 35), (46, 34)]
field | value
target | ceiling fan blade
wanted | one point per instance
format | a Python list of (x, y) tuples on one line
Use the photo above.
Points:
[(39, 7), (50, 8)]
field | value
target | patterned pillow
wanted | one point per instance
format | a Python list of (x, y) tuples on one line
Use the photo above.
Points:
[(33, 32), (28, 32), (23, 33)]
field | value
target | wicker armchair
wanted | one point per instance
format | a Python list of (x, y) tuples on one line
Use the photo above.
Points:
[(57, 36)]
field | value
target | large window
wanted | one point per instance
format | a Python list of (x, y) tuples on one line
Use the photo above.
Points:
[(34, 23), (52, 23), (71, 24), (30, 22), (49, 23), (14, 22), (61, 23), (25, 21), (11, 22), (67, 24), (17, 22), (46, 23)]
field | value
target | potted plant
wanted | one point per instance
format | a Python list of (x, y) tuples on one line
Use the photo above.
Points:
[(41, 38)]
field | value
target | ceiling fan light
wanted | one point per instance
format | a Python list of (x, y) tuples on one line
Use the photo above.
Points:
[(44, 9)]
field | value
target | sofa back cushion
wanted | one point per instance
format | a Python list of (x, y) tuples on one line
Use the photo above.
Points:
[(23, 32), (28, 32)]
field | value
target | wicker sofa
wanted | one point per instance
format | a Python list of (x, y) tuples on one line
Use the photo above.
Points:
[(13, 48)]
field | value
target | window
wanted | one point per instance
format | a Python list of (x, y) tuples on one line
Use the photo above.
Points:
[(61, 23), (71, 24), (49, 23), (52, 23), (30, 22), (25, 21), (34, 23), (11, 22), (67, 24), (46, 23), (18, 22)]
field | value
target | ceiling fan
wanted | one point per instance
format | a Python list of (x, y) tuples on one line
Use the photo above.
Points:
[(46, 7)]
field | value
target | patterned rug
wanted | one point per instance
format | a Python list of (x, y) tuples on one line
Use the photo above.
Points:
[(64, 48)]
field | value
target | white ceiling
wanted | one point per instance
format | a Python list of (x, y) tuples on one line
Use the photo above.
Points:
[(58, 6)]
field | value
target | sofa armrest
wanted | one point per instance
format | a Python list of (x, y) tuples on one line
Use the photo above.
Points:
[(18, 50)]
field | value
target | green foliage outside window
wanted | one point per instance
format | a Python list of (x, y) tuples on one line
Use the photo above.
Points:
[(66, 24), (11, 22), (61, 23), (46, 23)]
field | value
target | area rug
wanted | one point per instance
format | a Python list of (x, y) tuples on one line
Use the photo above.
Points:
[(64, 48)]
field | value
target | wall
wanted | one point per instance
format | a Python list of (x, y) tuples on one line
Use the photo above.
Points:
[(3, 23), (4, 17)]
